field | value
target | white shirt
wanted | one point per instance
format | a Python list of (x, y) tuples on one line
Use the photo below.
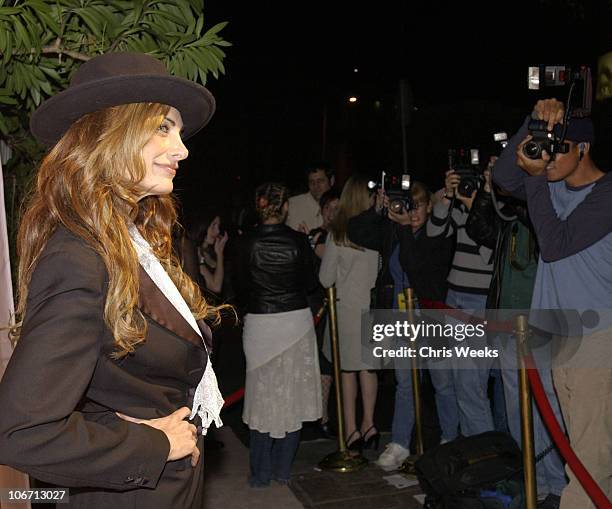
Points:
[(207, 401), (303, 208)]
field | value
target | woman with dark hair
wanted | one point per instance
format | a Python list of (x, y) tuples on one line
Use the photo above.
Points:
[(317, 237), (329, 206), (283, 389), (210, 244), (110, 359)]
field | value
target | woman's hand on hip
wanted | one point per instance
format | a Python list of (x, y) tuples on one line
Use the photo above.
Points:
[(181, 434)]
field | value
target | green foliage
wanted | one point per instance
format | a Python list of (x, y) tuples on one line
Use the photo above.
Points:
[(42, 42)]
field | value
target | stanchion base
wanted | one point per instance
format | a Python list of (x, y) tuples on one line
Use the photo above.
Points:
[(343, 462), (408, 465)]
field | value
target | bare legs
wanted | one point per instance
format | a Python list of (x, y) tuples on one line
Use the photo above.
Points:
[(369, 388), (349, 398)]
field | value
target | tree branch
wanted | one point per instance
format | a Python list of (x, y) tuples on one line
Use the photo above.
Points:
[(57, 49)]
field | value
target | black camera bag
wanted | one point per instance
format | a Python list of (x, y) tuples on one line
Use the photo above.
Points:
[(452, 475)]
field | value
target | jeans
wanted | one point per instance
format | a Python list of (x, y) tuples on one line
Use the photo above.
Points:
[(271, 458), (549, 471), (500, 419), (471, 383), (403, 414), (442, 379)]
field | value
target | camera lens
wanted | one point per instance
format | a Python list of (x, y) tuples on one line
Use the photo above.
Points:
[(396, 206), (532, 150), (467, 186), (465, 190)]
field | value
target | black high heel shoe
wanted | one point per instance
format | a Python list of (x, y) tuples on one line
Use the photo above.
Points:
[(373, 441), (357, 444)]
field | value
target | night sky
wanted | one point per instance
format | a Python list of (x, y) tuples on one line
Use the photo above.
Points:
[(291, 71)]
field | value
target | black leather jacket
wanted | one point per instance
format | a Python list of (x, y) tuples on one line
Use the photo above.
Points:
[(275, 270)]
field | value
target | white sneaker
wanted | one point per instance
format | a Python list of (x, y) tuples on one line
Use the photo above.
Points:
[(392, 457)]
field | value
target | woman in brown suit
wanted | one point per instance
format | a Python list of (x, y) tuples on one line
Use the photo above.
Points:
[(109, 360)]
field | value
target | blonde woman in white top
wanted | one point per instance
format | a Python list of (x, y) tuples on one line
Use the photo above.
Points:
[(353, 271)]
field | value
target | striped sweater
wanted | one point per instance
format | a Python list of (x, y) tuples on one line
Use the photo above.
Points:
[(472, 265)]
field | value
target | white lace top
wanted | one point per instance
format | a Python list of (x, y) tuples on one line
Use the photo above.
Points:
[(207, 401)]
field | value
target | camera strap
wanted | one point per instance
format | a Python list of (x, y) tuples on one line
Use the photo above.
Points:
[(497, 208), (568, 110), (449, 215)]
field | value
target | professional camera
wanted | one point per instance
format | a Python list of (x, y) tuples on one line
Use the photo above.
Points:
[(575, 80), (465, 164), (543, 139), (397, 189)]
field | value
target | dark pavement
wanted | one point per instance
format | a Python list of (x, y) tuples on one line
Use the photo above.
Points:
[(227, 468)]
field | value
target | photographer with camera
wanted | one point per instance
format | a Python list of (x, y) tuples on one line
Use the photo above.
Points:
[(425, 260), (409, 259), (461, 394), (510, 234), (569, 198)]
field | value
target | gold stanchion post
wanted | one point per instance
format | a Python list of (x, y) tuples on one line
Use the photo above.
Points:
[(408, 465), (342, 460), (521, 331)]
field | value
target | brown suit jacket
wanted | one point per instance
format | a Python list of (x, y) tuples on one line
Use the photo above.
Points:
[(61, 389)]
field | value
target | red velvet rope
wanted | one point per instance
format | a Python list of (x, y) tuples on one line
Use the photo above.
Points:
[(592, 489), (234, 398)]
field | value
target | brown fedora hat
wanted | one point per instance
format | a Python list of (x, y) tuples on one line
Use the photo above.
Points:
[(121, 78)]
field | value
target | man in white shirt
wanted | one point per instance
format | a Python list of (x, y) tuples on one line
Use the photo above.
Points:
[(304, 211)]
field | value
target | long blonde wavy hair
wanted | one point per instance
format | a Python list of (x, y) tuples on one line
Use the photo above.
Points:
[(354, 200), (88, 183)]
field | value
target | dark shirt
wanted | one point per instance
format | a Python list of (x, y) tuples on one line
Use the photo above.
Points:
[(321, 238), (514, 247), (574, 230), (557, 238), (400, 278), (426, 260)]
